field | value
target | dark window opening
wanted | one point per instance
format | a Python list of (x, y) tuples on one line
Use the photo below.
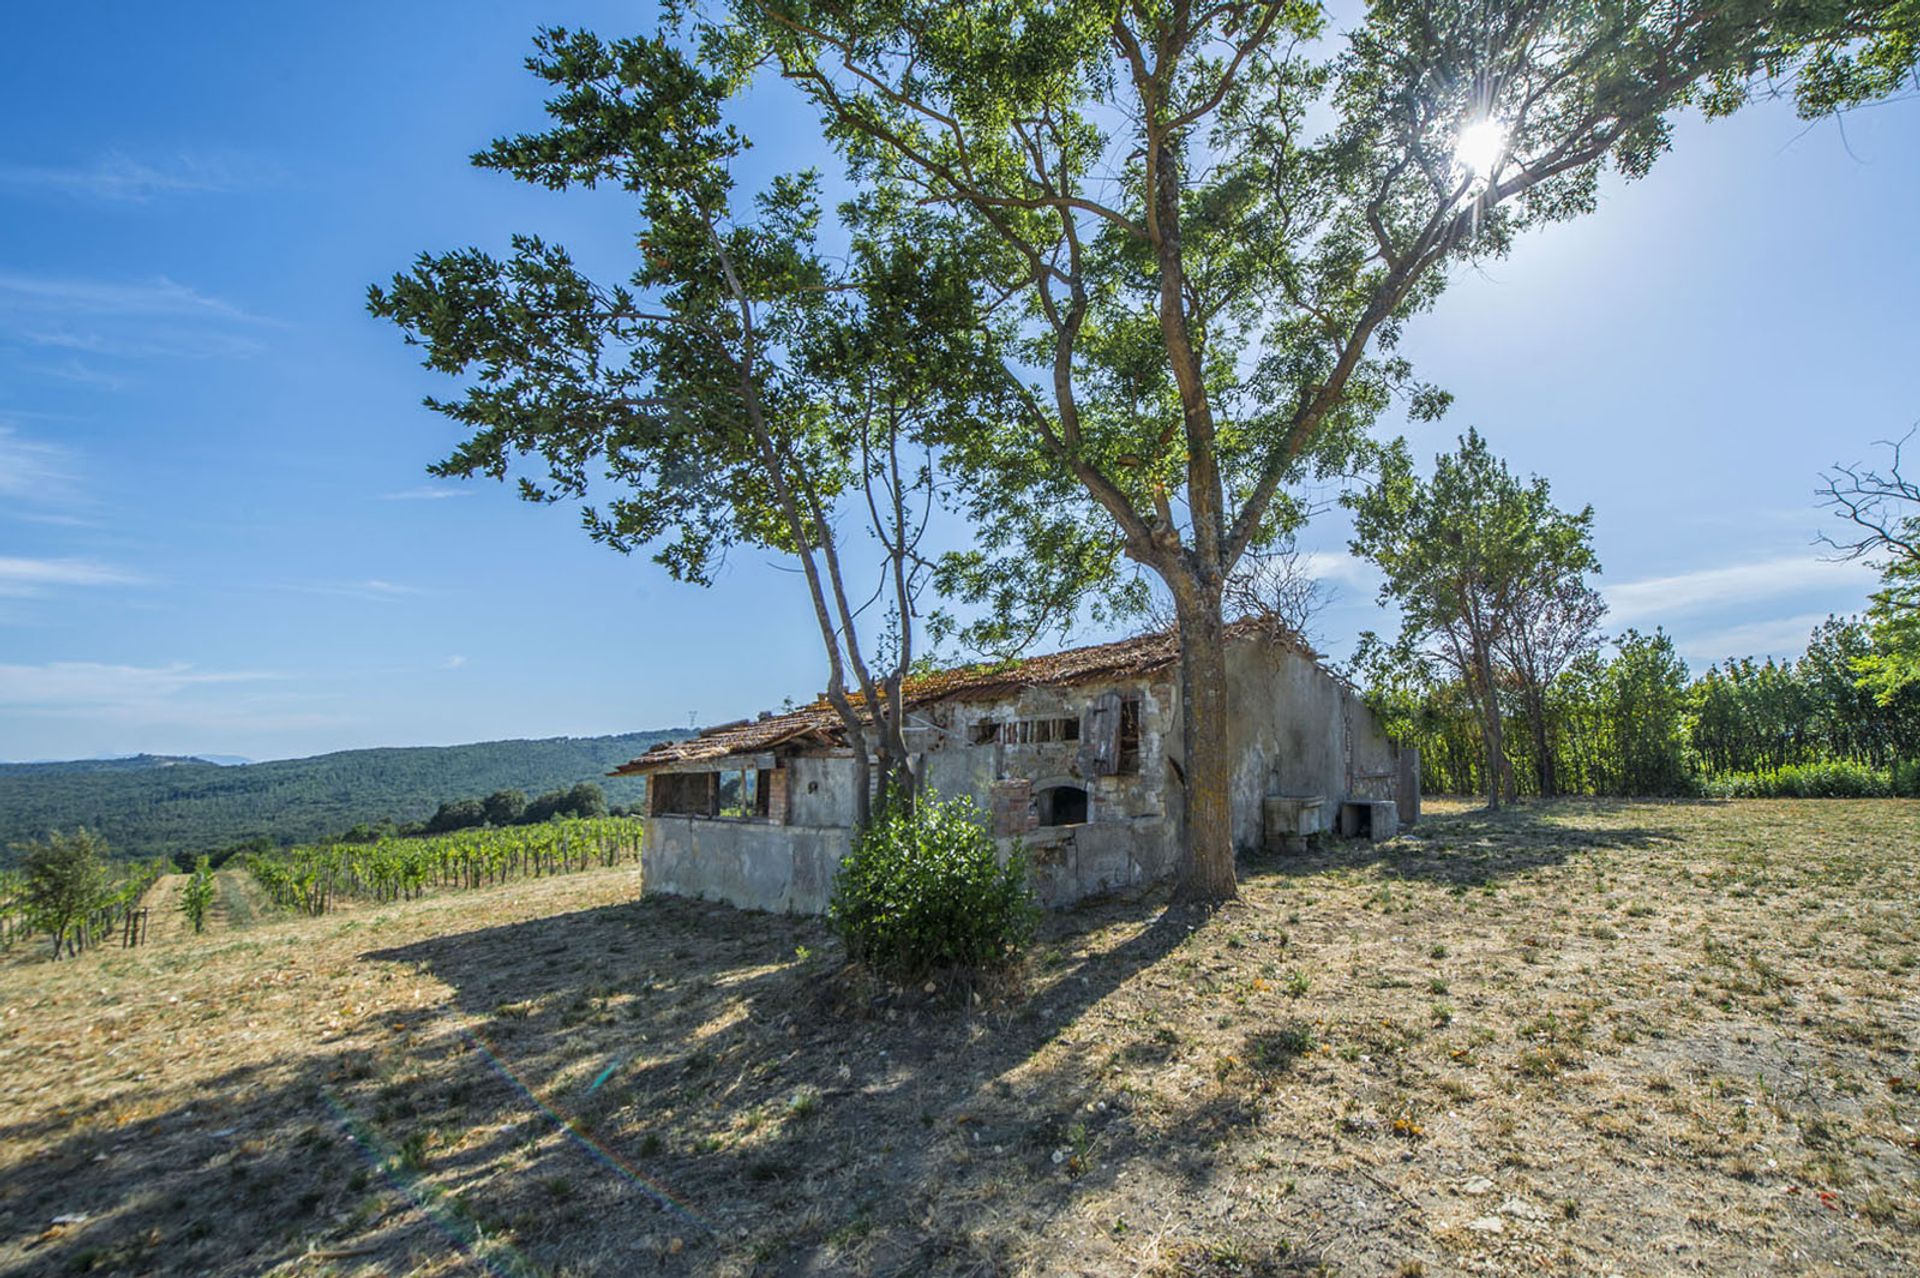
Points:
[(684, 794), (762, 792), (1028, 731), (1062, 805), (1129, 760)]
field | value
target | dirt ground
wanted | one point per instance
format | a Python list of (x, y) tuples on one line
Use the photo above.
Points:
[(1581, 1038)]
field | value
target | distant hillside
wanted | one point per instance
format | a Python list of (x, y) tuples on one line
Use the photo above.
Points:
[(149, 805), (123, 763)]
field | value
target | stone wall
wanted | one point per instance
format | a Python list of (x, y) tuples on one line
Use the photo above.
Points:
[(1296, 731), (786, 869)]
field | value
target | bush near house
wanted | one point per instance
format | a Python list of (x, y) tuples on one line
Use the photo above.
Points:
[(925, 891)]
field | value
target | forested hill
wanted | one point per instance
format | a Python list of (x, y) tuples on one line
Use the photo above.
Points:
[(124, 763), (160, 804)]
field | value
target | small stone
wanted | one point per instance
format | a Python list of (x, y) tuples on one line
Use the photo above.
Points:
[(1477, 1186), (677, 1245), (1487, 1225), (1523, 1209), (929, 988)]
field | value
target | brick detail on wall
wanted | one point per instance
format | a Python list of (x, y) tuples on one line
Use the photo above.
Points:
[(777, 781), (1011, 807)]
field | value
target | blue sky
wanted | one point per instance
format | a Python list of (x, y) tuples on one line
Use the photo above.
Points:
[(216, 534)]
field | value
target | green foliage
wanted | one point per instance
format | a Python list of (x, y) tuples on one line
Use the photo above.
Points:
[(67, 888), (1840, 779), (1489, 577), (1212, 222), (1869, 54), (1891, 671), (313, 878), (506, 807), (168, 807), (765, 368), (1630, 722), (196, 897), (925, 891), (457, 814), (1642, 702), (65, 881)]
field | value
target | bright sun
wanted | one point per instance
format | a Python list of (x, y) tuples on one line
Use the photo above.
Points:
[(1479, 147)]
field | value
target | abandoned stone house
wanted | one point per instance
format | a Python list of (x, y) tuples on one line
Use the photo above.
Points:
[(1076, 754)]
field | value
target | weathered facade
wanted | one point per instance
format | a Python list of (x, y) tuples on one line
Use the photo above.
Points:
[(1077, 755)]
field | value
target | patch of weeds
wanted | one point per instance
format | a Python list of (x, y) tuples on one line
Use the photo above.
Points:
[(1544, 1062), (1276, 1050), (412, 1153), (1297, 983)]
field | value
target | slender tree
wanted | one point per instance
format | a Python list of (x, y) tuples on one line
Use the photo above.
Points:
[(1474, 557), (1552, 620), (744, 387), (1215, 221)]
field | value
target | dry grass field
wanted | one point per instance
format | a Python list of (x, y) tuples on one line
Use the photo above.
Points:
[(1583, 1038)]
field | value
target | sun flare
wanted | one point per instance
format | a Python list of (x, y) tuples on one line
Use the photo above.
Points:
[(1480, 146)]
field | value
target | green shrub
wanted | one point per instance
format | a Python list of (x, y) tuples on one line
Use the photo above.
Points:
[(925, 891), (1906, 778), (1837, 780)]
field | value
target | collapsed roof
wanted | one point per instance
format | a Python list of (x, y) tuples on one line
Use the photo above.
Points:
[(819, 724)]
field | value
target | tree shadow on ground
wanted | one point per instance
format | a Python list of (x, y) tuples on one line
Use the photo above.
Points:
[(657, 1086), (1474, 848)]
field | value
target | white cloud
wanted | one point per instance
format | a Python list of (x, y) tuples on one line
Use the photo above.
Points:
[(1777, 637), (123, 179), (454, 662), (20, 577), (155, 298), (1340, 567), (72, 685), (426, 492), (373, 588), (1656, 599), (30, 470), (171, 343)]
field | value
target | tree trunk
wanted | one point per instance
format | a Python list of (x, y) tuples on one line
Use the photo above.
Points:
[(1545, 770), (1206, 859), (1491, 731)]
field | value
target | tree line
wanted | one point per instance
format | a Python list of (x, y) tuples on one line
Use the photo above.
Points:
[(1501, 674), (185, 808)]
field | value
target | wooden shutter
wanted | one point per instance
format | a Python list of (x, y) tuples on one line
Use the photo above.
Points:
[(1100, 736)]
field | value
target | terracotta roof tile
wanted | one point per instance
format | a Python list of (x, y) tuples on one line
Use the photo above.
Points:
[(1144, 654)]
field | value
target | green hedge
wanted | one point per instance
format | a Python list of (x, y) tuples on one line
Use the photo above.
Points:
[(1819, 781)]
